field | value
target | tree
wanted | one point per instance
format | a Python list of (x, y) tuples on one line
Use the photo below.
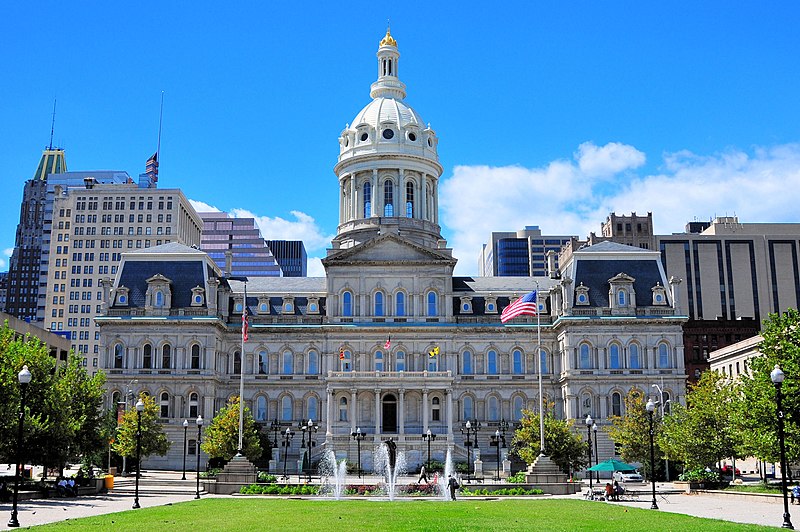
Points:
[(562, 444), (222, 437), (705, 432), (154, 441), (757, 415), (632, 431)]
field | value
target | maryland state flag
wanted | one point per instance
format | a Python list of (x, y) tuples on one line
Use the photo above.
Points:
[(341, 354), (433, 352), (245, 325)]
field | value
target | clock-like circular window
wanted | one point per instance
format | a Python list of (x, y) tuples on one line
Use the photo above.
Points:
[(388, 134), (412, 137), (364, 137)]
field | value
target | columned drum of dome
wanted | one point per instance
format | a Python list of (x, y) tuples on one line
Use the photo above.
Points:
[(388, 166)]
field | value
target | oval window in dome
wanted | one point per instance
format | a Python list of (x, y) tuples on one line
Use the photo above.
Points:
[(430, 142), (364, 137), (388, 134), (412, 137), (346, 142)]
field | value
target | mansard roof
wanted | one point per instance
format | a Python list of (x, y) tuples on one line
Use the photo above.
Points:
[(595, 274), (184, 274)]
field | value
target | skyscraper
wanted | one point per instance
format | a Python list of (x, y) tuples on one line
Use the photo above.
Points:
[(291, 255), (250, 255)]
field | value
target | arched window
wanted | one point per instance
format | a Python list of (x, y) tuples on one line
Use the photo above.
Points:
[(400, 361), (119, 356), (263, 362), (388, 198), (343, 409), (634, 362), (613, 357), (194, 404), (286, 408), (345, 362), (159, 298), (519, 404), (378, 360), (517, 361), (237, 363), (586, 401), (433, 363), (491, 365), (116, 398), (494, 409), (436, 409), (347, 304), (195, 360), (367, 199), (543, 365), (400, 304), (379, 303), (164, 405), (313, 363), (432, 306), (147, 356), (466, 363), (312, 409), (621, 298), (616, 404), (469, 408), (261, 408), (585, 359), (166, 356), (288, 363), (667, 402), (663, 356), (409, 200)]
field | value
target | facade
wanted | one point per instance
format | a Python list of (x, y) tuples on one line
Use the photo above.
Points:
[(291, 256), (734, 360), (92, 225), (22, 296), (389, 341), (57, 344), (632, 230), (521, 253), (241, 239)]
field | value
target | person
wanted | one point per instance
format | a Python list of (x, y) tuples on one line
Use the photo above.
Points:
[(61, 487), (422, 476), (795, 493), (72, 490), (609, 492), (452, 484), (436, 477), (618, 490)]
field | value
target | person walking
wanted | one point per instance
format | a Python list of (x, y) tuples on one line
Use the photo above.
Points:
[(452, 484), (423, 475)]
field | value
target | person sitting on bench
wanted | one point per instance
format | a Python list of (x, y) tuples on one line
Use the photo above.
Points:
[(795, 493)]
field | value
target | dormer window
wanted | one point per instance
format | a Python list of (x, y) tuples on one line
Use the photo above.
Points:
[(122, 296), (582, 295), (466, 305), (198, 296), (313, 305), (159, 293), (659, 295), (288, 305), (621, 295), (491, 305), (263, 305)]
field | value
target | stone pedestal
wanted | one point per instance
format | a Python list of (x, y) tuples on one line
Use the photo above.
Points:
[(506, 468), (545, 475), (237, 473), (478, 468)]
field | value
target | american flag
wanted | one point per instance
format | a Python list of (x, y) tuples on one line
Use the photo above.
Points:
[(151, 167), (524, 306), (388, 343), (245, 324)]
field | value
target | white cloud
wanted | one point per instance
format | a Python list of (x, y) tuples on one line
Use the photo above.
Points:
[(571, 198), (200, 206), (605, 161), (303, 227), (7, 253), (315, 268)]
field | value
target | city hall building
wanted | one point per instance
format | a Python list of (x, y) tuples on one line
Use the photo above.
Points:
[(390, 341)]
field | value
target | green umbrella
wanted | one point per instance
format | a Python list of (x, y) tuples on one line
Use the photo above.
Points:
[(612, 465)]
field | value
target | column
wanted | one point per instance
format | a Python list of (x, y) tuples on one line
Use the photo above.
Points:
[(449, 393), (401, 411), (353, 215), (353, 409), (329, 413), (375, 195), (377, 411), (424, 410)]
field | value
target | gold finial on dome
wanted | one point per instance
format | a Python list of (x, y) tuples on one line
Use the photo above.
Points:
[(388, 40)]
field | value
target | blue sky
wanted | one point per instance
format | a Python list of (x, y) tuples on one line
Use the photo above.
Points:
[(551, 114)]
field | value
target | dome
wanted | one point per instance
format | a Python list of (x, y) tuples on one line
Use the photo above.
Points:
[(388, 110), (388, 40)]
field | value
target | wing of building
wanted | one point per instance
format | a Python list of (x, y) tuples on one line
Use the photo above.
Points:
[(389, 341)]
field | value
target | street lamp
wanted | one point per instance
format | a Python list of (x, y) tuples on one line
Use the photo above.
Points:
[(777, 377), (24, 377), (651, 406), (287, 437), (663, 404), (199, 422), (596, 454), (497, 440), (589, 423), (470, 429), (358, 436), (308, 428), (185, 426), (429, 437), (139, 410)]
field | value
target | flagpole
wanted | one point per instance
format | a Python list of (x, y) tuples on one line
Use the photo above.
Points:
[(539, 356), (241, 376)]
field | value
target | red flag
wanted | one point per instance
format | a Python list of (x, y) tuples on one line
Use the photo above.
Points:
[(388, 343), (341, 354), (245, 323)]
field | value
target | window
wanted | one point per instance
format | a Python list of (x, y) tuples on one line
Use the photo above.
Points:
[(432, 307), (436, 409), (313, 365), (313, 407), (543, 366), (193, 405), (263, 362), (409, 200), (491, 358), (343, 409), (585, 359), (635, 362), (378, 360), (164, 405), (663, 356), (517, 361), (288, 363), (388, 196), (616, 404), (613, 357), (147, 356), (192, 447), (667, 402), (237, 363), (379, 303), (286, 408), (159, 299), (400, 361), (261, 408), (519, 404), (621, 298), (494, 409), (400, 304), (367, 199), (469, 408), (195, 361), (347, 304), (119, 354), (466, 363)]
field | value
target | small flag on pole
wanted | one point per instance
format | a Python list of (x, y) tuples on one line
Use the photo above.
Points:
[(527, 305), (245, 324), (433, 352), (341, 354), (388, 343)]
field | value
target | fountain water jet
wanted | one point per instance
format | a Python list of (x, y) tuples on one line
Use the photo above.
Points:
[(333, 475), (444, 491), (389, 464)]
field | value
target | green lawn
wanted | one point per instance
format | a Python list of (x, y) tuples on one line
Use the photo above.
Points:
[(270, 513)]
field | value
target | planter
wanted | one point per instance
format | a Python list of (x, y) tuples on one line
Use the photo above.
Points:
[(693, 485)]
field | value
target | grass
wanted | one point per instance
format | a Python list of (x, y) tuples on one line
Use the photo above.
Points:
[(261, 513), (755, 488)]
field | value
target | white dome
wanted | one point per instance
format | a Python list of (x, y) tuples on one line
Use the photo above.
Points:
[(387, 110)]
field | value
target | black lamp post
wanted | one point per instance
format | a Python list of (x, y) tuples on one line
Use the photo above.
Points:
[(596, 454), (429, 437), (287, 437), (497, 440), (470, 429), (199, 422), (308, 428), (777, 377), (185, 426), (589, 423), (651, 406), (358, 436), (24, 377), (139, 410)]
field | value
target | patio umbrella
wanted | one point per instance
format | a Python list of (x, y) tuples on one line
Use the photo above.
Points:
[(612, 465)]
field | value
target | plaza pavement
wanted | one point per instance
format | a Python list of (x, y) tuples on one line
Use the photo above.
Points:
[(157, 488)]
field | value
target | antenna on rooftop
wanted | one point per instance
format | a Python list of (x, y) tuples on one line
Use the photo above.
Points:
[(52, 125), (160, 118)]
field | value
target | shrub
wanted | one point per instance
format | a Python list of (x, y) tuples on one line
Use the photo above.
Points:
[(499, 492), (699, 475), (517, 478), (274, 489), (211, 472), (266, 478)]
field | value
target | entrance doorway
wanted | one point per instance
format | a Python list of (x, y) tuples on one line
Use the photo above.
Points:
[(389, 414)]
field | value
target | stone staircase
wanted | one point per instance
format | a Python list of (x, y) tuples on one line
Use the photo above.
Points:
[(158, 482)]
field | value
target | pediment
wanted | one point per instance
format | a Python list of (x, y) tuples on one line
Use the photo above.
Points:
[(621, 278), (388, 249)]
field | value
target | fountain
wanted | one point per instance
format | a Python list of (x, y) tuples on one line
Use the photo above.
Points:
[(333, 475), (441, 483), (390, 465)]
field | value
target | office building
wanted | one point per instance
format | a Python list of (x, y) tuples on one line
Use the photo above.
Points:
[(241, 239), (291, 255)]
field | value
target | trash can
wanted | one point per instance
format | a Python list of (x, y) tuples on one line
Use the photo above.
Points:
[(109, 482)]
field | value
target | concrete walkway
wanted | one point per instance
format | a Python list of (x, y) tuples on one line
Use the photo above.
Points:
[(158, 488)]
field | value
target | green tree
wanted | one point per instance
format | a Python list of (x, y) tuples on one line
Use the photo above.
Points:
[(632, 431), (705, 431), (222, 438), (154, 441), (562, 444), (757, 415)]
